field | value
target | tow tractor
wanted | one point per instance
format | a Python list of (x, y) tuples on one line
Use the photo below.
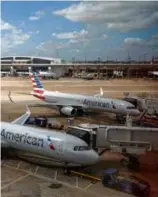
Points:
[(132, 185)]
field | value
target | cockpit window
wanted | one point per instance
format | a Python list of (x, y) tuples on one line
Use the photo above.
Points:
[(130, 107), (81, 148)]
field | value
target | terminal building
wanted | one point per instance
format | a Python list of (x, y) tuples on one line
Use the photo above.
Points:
[(23, 63), (61, 68)]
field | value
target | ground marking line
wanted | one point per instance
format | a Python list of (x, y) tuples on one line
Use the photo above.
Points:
[(49, 179), (18, 165), (15, 181), (36, 169), (77, 182), (56, 174), (88, 186), (4, 180)]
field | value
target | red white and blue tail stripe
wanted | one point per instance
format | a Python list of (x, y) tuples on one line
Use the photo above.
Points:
[(38, 89)]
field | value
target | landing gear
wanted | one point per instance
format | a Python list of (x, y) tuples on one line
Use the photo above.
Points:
[(66, 171), (120, 119), (131, 162), (80, 112)]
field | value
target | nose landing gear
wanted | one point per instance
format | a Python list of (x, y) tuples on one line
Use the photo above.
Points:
[(66, 170), (130, 161)]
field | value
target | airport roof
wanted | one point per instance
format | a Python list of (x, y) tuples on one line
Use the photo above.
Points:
[(31, 57)]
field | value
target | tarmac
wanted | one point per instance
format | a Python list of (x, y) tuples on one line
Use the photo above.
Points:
[(22, 179)]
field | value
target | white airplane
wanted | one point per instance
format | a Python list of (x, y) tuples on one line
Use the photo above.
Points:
[(154, 73), (76, 104), (46, 74), (56, 145), (4, 73)]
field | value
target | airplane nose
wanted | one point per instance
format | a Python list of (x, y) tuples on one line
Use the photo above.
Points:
[(94, 157), (136, 112)]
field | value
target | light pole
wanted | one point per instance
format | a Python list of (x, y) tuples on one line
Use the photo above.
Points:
[(145, 57), (139, 58)]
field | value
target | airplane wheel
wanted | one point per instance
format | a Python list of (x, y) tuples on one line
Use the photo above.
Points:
[(80, 112), (131, 162), (124, 162), (134, 164), (67, 172)]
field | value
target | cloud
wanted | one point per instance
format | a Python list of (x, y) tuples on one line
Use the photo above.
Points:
[(105, 36), (37, 15), (152, 42), (76, 41), (50, 48), (51, 45), (124, 16), (37, 32), (34, 32), (71, 35), (81, 37), (6, 26), (155, 36), (137, 47), (134, 41), (11, 36)]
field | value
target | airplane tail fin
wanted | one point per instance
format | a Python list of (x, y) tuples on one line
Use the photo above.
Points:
[(38, 89)]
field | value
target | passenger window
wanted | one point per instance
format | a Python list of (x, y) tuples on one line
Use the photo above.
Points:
[(81, 148), (130, 107), (75, 148)]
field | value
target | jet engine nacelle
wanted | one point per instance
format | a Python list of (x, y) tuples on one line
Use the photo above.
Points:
[(68, 111)]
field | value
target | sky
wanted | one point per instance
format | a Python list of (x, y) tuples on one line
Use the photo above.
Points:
[(81, 30)]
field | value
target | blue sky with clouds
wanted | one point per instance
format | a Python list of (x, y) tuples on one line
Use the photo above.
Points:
[(78, 29)]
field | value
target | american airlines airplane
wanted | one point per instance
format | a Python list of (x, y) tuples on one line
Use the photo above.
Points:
[(46, 74), (56, 145), (76, 104)]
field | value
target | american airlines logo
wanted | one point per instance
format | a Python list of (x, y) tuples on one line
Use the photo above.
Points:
[(96, 103), (114, 107), (51, 146), (22, 138)]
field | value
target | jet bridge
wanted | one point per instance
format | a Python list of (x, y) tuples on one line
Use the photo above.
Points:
[(129, 141), (135, 139)]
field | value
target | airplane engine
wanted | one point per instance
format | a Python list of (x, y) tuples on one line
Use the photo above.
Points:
[(68, 111)]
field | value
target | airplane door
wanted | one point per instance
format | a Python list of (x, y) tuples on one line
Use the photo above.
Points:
[(60, 147)]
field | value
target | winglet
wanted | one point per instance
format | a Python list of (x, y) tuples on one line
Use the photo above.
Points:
[(22, 119), (27, 109), (101, 92)]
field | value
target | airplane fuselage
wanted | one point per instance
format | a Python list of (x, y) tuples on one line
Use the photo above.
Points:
[(53, 144), (116, 106), (73, 104)]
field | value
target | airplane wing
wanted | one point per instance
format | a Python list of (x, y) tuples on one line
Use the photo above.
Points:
[(22, 119)]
